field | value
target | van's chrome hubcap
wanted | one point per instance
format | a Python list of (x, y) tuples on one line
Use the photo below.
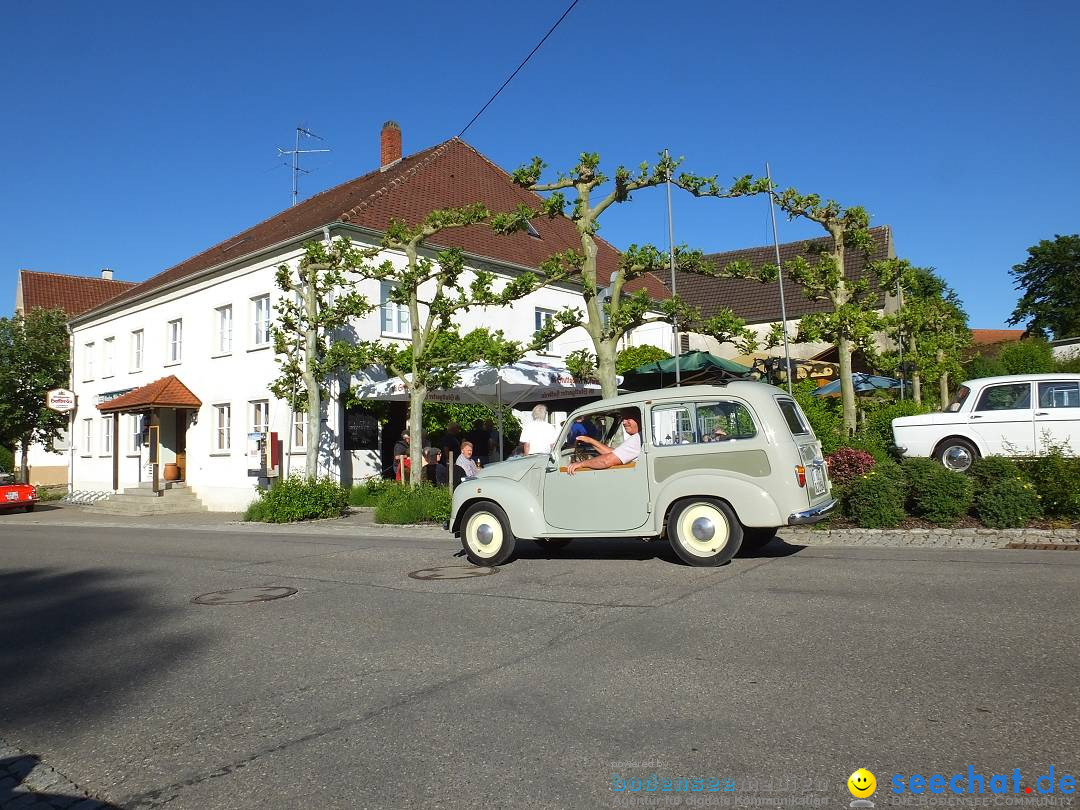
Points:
[(485, 534), (703, 529)]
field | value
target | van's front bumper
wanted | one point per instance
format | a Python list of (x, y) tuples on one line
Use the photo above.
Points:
[(819, 512)]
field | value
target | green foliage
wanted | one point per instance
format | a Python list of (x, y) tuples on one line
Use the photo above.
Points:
[(876, 429), (824, 415), (439, 415), (633, 356), (987, 470), (33, 359), (1027, 357), (298, 499), (983, 365), (935, 493), (1069, 364), (1050, 280), (368, 493), (875, 501), (1007, 503), (420, 504), (1056, 478), (7, 459)]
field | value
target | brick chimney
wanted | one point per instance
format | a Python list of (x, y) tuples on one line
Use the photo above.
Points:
[(390, 144), (106, 274)]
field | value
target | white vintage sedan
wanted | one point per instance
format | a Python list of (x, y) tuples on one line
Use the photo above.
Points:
[(719, 465), (1017, 415)]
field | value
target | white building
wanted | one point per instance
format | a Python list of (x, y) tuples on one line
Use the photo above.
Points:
[(205, 324)]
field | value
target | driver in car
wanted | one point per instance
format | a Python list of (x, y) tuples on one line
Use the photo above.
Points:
[(626, 452)]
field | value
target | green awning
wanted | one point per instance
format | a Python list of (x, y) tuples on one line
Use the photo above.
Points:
[(694, 367)]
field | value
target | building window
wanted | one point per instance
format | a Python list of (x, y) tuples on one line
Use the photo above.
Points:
[(224, 329), (260, 310), (106, 435), (107, 356), (222, 428), (542, 318), (88, 361), (137, 350), (136, 432), (176, 340), (395, 317), (260, 416), (88, 436), (299, 430)]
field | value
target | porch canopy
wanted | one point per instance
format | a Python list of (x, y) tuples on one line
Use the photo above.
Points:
[(695, 368), (168, 392), (527, 381)]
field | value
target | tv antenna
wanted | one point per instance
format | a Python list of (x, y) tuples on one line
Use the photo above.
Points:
[(296, 151)]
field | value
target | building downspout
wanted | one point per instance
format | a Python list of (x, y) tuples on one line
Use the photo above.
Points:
[(71, 414)]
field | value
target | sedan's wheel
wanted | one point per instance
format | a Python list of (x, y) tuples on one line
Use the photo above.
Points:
[(704, 531), (552, 543), (956, 454), (486, 535), (754, 537)]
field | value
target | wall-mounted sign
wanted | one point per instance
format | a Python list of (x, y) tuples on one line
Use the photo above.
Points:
[(60, 400)]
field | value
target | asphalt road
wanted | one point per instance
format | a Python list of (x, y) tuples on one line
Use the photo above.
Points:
[(531, 687)]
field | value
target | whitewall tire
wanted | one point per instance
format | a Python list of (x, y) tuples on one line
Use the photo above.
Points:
[(486, 535), (704, 531)]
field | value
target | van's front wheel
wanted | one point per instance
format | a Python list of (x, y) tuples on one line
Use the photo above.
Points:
[(704, 531), (486, 535)]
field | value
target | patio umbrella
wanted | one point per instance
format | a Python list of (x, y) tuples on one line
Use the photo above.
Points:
[(864, 384), (694, 367), (493, 386)]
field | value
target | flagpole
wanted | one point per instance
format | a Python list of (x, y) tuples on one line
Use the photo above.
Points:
[(780, 276), (671, 262)]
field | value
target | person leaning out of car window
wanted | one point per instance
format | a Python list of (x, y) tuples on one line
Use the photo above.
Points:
[(625, 453)]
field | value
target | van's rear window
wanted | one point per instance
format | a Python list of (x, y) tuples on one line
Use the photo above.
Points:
[(791, 414)]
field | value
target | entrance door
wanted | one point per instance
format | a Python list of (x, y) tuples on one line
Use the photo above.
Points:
[(181, 442)]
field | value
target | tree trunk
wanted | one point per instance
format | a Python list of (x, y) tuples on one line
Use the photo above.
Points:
[(311, 433), (605, 367), (417, 395), (847, 385), (24, 464), (943, 381), (314, 395), (916, 378)]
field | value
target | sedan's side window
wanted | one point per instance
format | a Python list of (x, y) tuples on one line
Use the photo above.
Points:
[(1009, 397), (1059, 395), (673, 424), (721, 421)]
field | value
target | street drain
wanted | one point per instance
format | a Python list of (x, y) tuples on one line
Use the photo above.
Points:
[(241, 596), (1046, 546), (453, 572)]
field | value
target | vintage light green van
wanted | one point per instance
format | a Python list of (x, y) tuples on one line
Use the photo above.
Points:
[(720, 466)]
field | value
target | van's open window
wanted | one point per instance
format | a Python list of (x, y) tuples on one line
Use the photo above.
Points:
[(793, 416), (701, 422)]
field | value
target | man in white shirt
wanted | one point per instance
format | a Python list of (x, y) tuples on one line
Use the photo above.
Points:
[(625, 453), (539, 435)]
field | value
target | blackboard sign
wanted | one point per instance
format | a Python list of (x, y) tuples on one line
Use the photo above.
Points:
[(361, 430)]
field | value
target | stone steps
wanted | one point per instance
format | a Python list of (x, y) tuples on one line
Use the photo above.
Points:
[(142, 501)]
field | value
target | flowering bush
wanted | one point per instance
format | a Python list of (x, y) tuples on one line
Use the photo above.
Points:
[(847, 464), (1007, 503)]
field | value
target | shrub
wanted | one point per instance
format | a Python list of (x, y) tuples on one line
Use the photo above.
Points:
[(935, 493), (1057, 482), (298, 499), (368, 492), (1034, 356), (1007, 503), (7, 459), (986, 471), (824, 415), (875, 501), (847, 464), (422, 504), (877, 429)]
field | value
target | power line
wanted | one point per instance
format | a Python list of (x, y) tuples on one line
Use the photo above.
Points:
[(519, 67)]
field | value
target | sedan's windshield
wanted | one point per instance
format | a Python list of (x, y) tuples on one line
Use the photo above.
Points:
[(958, 400)]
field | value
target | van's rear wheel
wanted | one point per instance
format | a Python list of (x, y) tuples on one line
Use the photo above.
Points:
[(486, 535), (704, 531)]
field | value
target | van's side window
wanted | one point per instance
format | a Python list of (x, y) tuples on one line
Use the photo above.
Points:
[(701, 422), (673, 424)]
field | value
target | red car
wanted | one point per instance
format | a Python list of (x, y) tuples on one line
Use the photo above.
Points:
[(14, 496)]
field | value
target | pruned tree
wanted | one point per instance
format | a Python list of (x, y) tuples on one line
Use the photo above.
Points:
[(930, 327), (34, 358), (319, 301), (612, 311), (436, 286), (1050, 280)]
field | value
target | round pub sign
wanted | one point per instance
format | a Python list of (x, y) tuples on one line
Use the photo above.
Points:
[(60, 399)]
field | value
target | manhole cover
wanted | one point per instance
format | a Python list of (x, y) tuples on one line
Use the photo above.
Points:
[(453, 572), (240, 596)]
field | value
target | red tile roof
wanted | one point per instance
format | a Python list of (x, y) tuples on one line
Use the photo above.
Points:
[(73, 294), (988, 337), (168, 392), (450, 174), (760, 303)]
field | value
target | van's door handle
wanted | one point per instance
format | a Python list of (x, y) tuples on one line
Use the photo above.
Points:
[(975, 416), (552, 469), (1041, 413)]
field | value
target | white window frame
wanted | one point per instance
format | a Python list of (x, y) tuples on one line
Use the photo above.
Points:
[(88, 437), (222, 428), (106, 435), (260, 321), (138, 346), (88, 361), (174, 341), (299, 443), (394, 320), (223, 330), (259, 411), (135, 434), (541, 315), (108, 356)]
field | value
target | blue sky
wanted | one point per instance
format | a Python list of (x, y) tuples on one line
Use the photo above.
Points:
[(139, 134)]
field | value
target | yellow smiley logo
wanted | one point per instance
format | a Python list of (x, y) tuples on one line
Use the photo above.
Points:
[(862, 784)]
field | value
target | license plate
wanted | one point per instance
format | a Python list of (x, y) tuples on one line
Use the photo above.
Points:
[(12, 496), (817, 480)]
